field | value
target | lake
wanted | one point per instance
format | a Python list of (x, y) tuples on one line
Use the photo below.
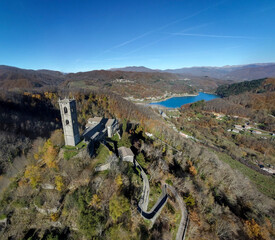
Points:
[(176, 102)]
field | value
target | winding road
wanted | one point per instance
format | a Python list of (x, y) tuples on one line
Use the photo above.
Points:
[(156, 209), (162, 200)]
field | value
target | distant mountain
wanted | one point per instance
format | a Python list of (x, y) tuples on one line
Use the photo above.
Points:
[(12, 77), (134, 69), (138, 82), (235, 72)]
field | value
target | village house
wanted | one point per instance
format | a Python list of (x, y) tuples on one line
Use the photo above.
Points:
[(126, 154), (256, 132), (239, 127)]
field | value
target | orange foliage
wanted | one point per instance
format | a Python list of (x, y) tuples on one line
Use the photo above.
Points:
[(254, 230), (194, 217), (50, 154), (54, 217), (32, 173), (192, 168)]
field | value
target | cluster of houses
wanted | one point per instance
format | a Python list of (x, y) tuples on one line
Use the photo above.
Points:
[(246, 127)]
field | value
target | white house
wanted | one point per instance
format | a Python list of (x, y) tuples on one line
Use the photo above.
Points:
[(126, 154)]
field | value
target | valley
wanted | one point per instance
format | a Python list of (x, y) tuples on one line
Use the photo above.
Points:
[(208, 164)]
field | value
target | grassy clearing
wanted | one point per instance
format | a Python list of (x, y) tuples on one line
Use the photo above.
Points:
[(82, 84), (115, 138), (173, 113), (3, 216), (102, 153), (155, 192), (265, 184), (80, 145), (71, 151), (68, 154)]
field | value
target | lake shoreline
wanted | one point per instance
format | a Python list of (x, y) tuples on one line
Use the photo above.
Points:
[(177, 101), (145, 101)]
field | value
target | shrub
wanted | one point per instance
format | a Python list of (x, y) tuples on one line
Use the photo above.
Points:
[(141, 160), (38, 201), (169, 181), (117, 206), (33, 175), (52, 237), (54, 217), (119, 181), (95, 202), (20, 203), (88, 222), (190, 201), (59, 183)]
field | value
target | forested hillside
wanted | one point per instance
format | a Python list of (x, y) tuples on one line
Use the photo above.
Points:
[(68, 199), (236, 88), (256, 103), (137, 85)]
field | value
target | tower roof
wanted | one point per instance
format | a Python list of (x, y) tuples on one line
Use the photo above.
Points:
[(66, 100)]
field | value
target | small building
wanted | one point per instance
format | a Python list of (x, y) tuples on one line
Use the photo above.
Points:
[(269, 170), (239, 127), (149, 134), (126, 154), (256, 132)]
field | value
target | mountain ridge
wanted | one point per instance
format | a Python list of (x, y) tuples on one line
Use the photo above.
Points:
[(227, 72)]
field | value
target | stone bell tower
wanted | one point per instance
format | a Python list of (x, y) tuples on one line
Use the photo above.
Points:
[(69, 121)]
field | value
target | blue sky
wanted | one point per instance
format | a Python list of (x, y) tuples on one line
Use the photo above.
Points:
[(83, 35)]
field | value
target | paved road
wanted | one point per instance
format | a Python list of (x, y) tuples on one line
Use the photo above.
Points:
[(184, 214), (144, 199), (156, 209)]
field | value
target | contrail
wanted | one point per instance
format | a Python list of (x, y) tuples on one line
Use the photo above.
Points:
[(213, 36), (164, 38), (163, 27)]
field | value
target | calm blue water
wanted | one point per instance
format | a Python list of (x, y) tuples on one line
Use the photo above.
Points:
[(176, 102)]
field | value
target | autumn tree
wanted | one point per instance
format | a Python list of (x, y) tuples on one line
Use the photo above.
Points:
[(33, 174), (50, 154), (117, 206), (59, 182), (119, 181), (95, 202)]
